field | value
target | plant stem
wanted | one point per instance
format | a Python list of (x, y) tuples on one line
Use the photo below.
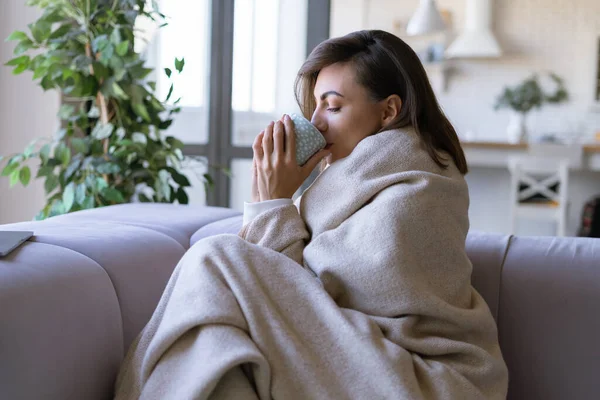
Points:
[(101, 104)]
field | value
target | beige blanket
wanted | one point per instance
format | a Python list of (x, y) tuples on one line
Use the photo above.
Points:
[(363, 294)]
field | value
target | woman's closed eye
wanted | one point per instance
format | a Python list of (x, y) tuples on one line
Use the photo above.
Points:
[(334, 109)]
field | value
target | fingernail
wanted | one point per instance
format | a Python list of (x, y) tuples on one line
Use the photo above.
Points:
[(287, 117)]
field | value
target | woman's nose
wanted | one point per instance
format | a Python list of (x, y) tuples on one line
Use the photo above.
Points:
[(318, 122)]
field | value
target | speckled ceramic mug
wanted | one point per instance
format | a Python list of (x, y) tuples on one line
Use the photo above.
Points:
[(308, 139)]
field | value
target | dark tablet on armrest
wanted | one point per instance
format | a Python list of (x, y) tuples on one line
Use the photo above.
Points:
[(10, 240)]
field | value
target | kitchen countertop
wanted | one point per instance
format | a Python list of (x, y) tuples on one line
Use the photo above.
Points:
[(587, 148), (497, 154)]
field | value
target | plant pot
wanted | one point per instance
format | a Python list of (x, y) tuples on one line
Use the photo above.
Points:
[(516, 131)]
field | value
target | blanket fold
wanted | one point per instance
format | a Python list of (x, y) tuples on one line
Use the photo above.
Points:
[(363, 291)]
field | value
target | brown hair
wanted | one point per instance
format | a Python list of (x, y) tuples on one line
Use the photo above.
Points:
[(386, 65)]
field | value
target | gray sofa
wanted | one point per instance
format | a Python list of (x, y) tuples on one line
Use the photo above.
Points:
[(75, 297)]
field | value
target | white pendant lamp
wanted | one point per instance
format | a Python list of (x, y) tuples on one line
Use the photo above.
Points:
[(426, 19), (477, 39)]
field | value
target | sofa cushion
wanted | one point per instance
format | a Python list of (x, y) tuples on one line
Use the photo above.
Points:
[(229, 225), (61, 335), (177, 221), (138, 261), (549, 317)]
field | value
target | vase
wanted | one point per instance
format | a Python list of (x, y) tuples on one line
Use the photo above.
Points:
[(516, 130)]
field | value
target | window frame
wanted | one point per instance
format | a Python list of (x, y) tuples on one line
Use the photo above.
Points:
[(220, 150)]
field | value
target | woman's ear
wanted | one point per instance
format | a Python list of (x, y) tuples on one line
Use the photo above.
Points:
[(391, 109)]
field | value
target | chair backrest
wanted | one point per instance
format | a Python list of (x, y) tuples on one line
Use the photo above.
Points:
[(534, 176), (540, 176)]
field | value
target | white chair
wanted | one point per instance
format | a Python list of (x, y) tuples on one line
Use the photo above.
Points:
[(543, 171)]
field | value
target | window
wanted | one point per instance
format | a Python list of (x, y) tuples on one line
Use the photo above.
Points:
[(235, 81)]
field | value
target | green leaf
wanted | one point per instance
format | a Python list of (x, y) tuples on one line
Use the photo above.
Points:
[(170, 93), (80, 193), (72, 168), (209, 180), (99, 43), (47, 83), (40, 30), (61, 31), (29, 150), (63, 154), (17, 61), (102, 131), (181, 179), (23, 46), (108, 168), (100, 71), (120, 93), (45, 153), (141, 110), (106, 54), (9, 168), (79, 145), (65, 111), (17, 35), (89, 202), (100, 184), (139, 138), (179, 64), (25, 175), (57, 208), (115, 36), (14, 177), (182, 196), (45, 171), (112, 194), (174, 142), (168, 72), (68, 196), (39, 72), (122, 48), (20, 69)]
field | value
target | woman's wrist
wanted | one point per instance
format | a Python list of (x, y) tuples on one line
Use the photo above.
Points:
[(252, 210)]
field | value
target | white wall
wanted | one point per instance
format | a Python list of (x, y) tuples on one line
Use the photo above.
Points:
[(26, 112), (536, 36)]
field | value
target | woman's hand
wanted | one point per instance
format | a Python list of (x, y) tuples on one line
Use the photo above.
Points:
[(275, 172)]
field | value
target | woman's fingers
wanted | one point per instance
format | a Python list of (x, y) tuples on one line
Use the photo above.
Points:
[(290, 138), (278, 140), (257, 147), (255, 194), (267, 141)]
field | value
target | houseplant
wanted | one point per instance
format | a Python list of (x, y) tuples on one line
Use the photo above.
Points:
[(110, 148), (523, 98)]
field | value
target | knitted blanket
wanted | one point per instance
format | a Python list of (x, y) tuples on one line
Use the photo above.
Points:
[(360, 291)]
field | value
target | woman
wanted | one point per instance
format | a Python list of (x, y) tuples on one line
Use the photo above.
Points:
[(362, 290)]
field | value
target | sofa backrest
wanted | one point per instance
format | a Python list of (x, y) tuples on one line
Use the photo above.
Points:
[(545, 295)]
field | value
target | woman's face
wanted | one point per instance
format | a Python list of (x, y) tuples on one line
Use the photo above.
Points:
[(345, 113)]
